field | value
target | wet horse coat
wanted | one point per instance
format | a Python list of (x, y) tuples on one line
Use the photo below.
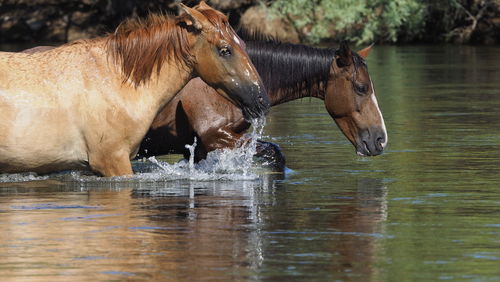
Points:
[(90, 103), (290, 71)]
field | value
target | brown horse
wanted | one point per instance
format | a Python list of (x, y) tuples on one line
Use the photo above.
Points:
[(289, 71), (90, 103)]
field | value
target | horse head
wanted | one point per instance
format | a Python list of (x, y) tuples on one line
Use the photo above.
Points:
[(221, 61), (350, 100)]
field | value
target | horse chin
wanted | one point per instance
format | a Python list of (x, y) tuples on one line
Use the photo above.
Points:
[(362, 149), (361, 154), (250, 114), (251, 99), (224, 94), (255, 111)]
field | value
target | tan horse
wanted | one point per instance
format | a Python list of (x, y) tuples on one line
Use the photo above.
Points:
[(90, 103)]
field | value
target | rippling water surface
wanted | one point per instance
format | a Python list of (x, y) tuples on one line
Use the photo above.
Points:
[(428, 209)]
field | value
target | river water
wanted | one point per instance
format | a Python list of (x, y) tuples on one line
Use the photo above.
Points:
[(427, 209)]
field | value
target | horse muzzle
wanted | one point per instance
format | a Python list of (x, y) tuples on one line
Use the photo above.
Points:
[(371, 142), (252, 100)]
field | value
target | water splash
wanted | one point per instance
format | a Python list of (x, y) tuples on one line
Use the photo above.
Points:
[(191, 149), (21, 177), (222, 164)]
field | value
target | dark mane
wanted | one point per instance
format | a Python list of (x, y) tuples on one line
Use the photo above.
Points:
[(255, 35), (141, 46), (292, 68)]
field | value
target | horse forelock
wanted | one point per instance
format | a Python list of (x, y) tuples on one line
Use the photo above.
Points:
[(140, 46), (222, 27)]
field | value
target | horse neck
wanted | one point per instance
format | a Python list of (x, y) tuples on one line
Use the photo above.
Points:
[(171, 79), (291, 71), (141, 101), (280, 96)]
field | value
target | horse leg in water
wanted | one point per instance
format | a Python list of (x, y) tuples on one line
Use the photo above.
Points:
[(268, 153), (116, 163)]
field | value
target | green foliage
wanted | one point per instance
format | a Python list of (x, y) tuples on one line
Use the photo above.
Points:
[(353, 20)]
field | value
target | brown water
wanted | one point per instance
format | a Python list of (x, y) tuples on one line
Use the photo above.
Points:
[(428, 209)]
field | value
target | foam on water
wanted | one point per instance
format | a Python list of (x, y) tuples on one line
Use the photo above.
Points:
[(21, 177), (223, 164)]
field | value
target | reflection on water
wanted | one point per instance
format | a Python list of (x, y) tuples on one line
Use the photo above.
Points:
[(428, 209), (162, 230)]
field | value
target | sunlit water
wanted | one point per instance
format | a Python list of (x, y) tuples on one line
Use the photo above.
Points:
[(426, 210)]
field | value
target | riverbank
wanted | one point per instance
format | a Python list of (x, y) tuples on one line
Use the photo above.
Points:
[(380, 21)]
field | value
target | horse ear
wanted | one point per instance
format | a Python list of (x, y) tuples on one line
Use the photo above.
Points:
[(204, 5), (190, 17), (366, 51), (344, 55)]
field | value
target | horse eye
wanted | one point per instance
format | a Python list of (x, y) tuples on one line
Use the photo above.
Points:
[(361, 88), (224, 52)]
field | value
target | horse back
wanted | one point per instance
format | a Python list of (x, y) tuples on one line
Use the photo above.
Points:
[(37, 49)]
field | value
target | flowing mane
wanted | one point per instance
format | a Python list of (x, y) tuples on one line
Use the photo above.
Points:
[(291, 68), (295, 69), (141, 45)]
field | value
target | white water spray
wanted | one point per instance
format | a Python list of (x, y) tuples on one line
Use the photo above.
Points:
[(191, 149), (223, 164), (21, 177)]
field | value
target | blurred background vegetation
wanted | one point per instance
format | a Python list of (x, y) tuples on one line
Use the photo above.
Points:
[(308, 21)]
